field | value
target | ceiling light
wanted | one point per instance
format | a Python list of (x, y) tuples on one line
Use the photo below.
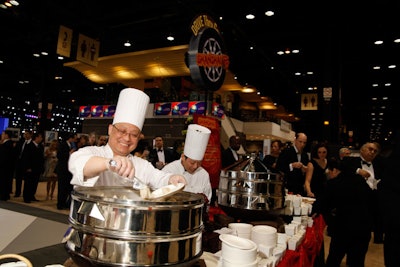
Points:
[(127, 43), (269, 13), (170, 38), (378, 42), (248, 89), (250, 16)]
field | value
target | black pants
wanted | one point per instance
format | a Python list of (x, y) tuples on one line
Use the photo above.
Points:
[(64, 191), (344, 244), (30, 186)]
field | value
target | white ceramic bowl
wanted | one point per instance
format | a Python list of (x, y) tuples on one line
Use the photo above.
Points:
[(264, 234), (237, 250)]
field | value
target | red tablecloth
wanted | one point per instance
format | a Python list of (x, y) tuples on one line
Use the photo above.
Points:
[(306, 252)]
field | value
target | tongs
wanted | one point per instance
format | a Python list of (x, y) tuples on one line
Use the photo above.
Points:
[(139, 185)]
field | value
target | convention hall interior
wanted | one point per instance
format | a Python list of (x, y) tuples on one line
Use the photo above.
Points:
[(283, 57)]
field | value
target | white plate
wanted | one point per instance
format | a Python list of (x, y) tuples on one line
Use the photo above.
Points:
[(166, 191), (237, 242)]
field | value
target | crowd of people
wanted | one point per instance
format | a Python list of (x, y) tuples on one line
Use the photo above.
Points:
[(350, 190)]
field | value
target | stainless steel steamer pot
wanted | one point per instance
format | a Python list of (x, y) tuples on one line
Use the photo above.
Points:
[(251, 190), (114, 226)]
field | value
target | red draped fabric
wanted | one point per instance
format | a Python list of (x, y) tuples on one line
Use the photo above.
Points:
[(309, 248)]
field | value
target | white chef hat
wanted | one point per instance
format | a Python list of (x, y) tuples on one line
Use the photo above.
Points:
[(131, 107), (196, 141)]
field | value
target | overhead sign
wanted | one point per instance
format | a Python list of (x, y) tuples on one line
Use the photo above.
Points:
[(207, 58), (88, 50), (309, 102), (64, 41)]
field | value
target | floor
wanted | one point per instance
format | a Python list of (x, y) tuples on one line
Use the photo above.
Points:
[(36, 229)]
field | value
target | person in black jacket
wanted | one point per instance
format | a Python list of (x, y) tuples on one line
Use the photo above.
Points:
[(64, 188), (34, 167), (346, 207), (21, 161), (230, 156), (368, 165), (7, 162), (160, 155), (292, 162)]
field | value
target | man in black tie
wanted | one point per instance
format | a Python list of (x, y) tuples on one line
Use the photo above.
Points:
[(159, 156), (369, 167)]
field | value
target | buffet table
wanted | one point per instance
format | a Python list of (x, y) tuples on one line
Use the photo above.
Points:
[(307, 251), (304, 255)]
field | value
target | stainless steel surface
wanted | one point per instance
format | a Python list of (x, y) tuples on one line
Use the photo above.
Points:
[(251, 186), (115, 226)]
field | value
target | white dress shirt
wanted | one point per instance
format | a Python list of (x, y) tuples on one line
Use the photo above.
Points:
[(198, 182)]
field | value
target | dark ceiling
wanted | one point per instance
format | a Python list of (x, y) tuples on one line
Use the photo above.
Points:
[(335, 42)]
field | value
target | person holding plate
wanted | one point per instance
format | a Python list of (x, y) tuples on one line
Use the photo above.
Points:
[(189, 164)]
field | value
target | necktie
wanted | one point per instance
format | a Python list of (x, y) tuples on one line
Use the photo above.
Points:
[(160, 150), (366, 163)]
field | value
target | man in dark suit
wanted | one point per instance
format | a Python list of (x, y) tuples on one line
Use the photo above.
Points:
[(159, 156), (230, 156), (293, 161), (64, 188), (7, 162), (346, 206), (20, 164), (34, 167), (368, 165)]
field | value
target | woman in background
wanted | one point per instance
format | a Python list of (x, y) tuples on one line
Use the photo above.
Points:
[(271, 159), (50, 156)]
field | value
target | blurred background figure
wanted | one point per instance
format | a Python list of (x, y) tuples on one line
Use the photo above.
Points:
[(102, 141), (270, 160), (21, 158), (50, 157), (160, 155), (7, 164), (293, 163), (230, 155), (315, 182), (65, 149), (142, 150), (83, 141), (92, 139), (344, 152), (34, 167)]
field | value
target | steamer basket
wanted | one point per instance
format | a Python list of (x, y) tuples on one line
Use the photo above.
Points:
[(114, 226), (251, 186)]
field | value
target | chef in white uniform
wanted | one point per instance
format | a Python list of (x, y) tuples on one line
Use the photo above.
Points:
[(113, 164), (189, 165)]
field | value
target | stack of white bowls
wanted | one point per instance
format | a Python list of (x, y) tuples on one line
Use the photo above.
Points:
[(264, 234), (237, 251), (241, 229)]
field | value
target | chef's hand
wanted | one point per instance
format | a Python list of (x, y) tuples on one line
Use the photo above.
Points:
[(123, 167), (176, 179)]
